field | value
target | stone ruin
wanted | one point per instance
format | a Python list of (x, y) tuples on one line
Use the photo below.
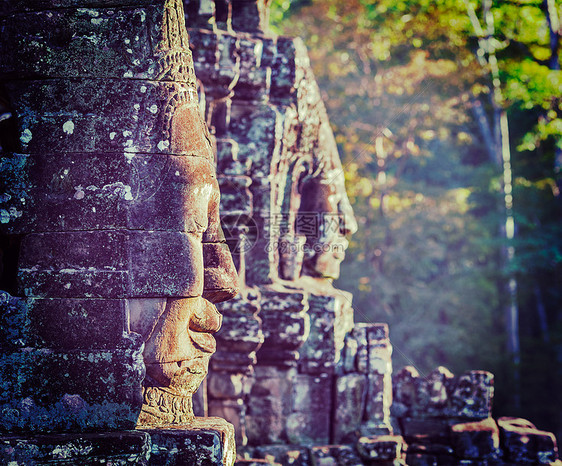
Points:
[(110, 222)]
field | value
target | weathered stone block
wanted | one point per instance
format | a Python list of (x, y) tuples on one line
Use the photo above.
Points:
[(271, 396), (14, 184), (220, 117), (349, 355), (265, 420), (147, 121), (254, 81), (380, 351), (229, 385), (32, 5), (222, 14), (331, 318), (116, 448), (269, 51), (334, 455), (291, 255), (68, 324), (255, 462), (379, 391), (226, 361), (381, 447), (271, 380), (254, 128), (523, 443), (311, 113), (200, 400), (14, 322), (111, 43), (405, 387), (473, 395), (234, 411), (261, 271), (284, 73), (284, 454), (426, 431), (45, 390), (208, 441), (359, 334), (227, 69), (309, 423), (247, 303), (433, 393), (109, 191), (250, 15), (430, 455), (240, 333), (236, 198), (285, 324), (377, 409), (111, 264), (349, 402), (479, 439), (204, 44), (229, 163), (421, 459)]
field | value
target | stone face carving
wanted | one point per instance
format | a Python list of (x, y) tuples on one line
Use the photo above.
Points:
[(114, 194), (323, 193), (279, 165)]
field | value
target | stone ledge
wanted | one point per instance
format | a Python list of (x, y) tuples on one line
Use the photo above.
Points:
[(207, 441), (117, 448)]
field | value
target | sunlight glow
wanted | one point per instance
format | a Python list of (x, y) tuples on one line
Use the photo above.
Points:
[(509, 227)]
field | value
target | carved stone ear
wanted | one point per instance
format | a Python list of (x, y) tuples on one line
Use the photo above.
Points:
[(189, 133)]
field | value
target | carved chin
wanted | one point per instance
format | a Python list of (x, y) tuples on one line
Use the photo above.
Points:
[(325, 265), (182, 377)]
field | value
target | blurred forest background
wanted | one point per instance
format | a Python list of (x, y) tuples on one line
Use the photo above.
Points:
[(448, 117)]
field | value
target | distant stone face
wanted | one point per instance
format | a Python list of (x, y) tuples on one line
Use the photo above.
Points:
[(280, 170), (114, 194), (323, 194)]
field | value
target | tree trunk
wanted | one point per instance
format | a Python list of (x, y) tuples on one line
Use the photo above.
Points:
[(496, 135), (541, 313)]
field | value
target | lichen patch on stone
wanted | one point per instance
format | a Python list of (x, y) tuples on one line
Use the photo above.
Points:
[(26, 136), (68, 127)]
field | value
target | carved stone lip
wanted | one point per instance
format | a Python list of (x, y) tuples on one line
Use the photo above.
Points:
[(203, 341), (198, 365), (339, 255), (206, 318)]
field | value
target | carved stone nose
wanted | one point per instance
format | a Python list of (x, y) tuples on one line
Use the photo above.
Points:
[(348, 224), (220, 279)]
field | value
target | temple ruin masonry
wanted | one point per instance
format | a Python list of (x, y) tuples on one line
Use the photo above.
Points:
[(126, 123), (318, 380)]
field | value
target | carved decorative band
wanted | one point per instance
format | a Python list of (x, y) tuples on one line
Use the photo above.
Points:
[(161, 407)]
